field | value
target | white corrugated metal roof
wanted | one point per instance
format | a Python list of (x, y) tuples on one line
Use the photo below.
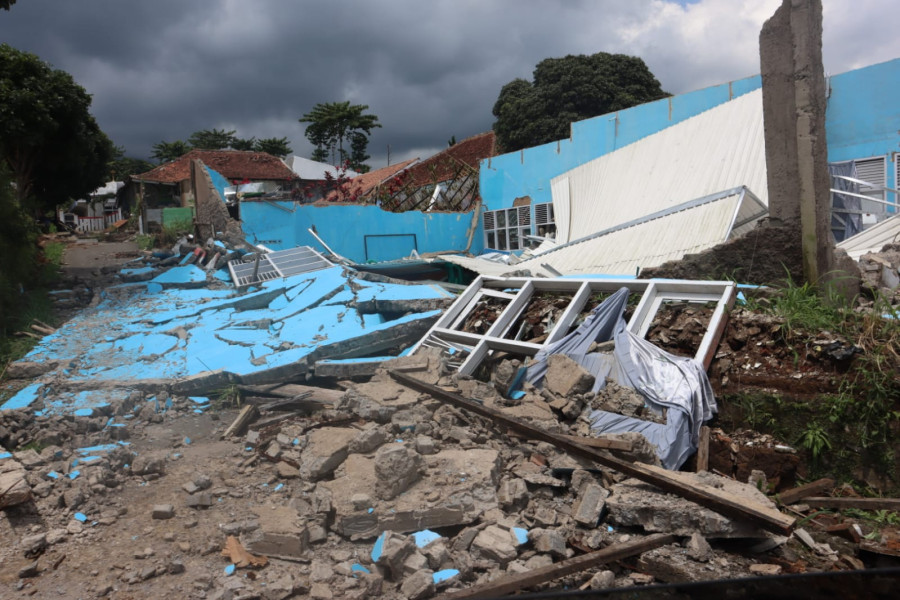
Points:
[(648, 242), (312, 170), (719, 149), (873, 238)]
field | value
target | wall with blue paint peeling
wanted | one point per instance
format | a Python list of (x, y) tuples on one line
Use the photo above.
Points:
[(361, 233), (528, 172)]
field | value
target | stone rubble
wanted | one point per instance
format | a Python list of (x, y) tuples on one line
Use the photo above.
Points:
[(386, 493)]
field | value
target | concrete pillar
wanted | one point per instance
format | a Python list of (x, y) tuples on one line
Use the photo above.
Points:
[(793, 78)]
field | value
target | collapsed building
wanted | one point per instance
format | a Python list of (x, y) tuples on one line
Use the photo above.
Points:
[(404, 440)]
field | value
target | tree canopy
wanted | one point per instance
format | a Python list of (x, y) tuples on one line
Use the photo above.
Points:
[(219, 139), (570, 89), (331, 124), (120, 166), (48, 138)]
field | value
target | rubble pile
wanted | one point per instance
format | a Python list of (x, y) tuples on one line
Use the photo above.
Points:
[(390, 492)]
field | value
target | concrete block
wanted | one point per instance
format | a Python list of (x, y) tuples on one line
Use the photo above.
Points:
[(368, 440), (425, 445), (565, 377), (549, 541), (419, 585), (396, 468), (13, 484), (279, 534), (590, 504), (326, 450), (163, 511), (512, 494), (495, 543)]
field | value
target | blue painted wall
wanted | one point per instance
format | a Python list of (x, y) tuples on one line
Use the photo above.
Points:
[(528, 172), (862, 121), (863, 116), (361, 233)]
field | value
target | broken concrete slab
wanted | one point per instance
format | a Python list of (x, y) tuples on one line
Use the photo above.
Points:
[(326, 449), (565, 377), (14, 488), (636, 504), (396, 467), (460, 487), (280, 534)]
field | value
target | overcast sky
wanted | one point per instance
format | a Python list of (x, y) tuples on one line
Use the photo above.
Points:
[(429, 69)]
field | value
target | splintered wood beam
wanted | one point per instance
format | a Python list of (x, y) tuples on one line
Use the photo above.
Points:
[(792, 495), (703, 450), (244, 418), (891, 504), (712, 498), (521, 581), (600, 442)]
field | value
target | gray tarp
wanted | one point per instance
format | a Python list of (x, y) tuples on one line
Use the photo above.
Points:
[(666, 381)]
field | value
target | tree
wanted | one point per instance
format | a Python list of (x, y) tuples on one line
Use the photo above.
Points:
[(333, 123), (5, 4), (120, 166), (212, 139), (275, 146), (48, 138), (566, 90), (168, 151), (246, 145)]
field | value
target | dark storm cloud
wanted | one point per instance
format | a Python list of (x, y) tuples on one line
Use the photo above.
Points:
[(429, 70)]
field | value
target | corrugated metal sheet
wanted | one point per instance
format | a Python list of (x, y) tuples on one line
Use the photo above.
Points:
[(699, 225), (719, 149), (873, 238)]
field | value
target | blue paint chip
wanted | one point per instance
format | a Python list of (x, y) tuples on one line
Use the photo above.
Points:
[(229, 570), (444, 575), (53, 475), (74, 474), (5, 455), (80, 517), (425, 537), (371, 510), (517, 395), (521, 535), (279, 486), (187, 440), (358, 568), (378, 547)]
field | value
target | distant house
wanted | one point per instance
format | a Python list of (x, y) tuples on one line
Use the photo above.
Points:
[(316, 178), (96, 212), (165, 193)]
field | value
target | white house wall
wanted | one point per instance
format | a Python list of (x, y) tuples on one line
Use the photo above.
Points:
[(719, 149)]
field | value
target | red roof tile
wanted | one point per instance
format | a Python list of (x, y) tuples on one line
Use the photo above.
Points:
[(445, 165), (231, 164), (363, 184)]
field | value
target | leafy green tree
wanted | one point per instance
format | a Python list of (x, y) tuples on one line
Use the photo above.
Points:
[(566, 90), (5, 4), (165, 152), (212, 139), (330, 124), (275, 146), (242, 144), (120, 166), (48, 138)]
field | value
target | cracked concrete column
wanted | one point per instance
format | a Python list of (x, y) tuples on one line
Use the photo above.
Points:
[(793, 82)]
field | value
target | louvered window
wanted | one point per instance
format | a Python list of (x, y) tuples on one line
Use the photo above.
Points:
[(506, 229), (544, 223), (872, 171)]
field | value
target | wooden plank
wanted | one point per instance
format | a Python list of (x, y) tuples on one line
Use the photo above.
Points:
[(891, 504), (703, 450), (521, 581), (762, 516), (244, 418), (600, 442), (792, 495)]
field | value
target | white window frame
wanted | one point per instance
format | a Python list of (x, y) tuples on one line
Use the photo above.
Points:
[(544, 218), (500, 235)]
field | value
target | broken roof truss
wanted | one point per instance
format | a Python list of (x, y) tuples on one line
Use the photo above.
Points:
[(259, 267), (448, 332)]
